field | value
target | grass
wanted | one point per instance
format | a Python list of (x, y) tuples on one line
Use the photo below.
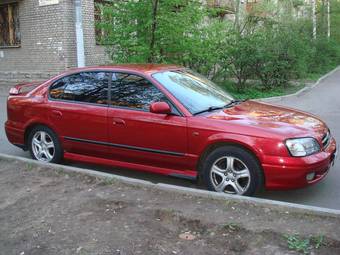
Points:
[(314, 76), (254, 91), (232, 227), (29, 166), (108, 181), (319, 73), (304, 245)]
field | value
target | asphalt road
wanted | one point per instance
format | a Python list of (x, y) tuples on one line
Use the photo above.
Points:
[(323, 100)]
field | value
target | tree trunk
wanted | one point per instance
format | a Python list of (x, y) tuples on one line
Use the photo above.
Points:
[(328, 18), (314, 18), (153, 30)]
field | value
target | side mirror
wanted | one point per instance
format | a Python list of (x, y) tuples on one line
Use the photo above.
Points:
[(160, 108)]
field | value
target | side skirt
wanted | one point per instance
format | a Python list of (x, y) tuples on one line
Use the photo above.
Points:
[(186, 174)]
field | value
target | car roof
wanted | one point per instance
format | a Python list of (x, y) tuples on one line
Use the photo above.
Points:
[(140, 68)]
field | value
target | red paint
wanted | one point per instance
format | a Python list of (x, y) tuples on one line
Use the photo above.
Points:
[(160, 107), (260, 128)]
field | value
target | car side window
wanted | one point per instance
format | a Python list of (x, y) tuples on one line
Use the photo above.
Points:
[(133, 91), (90, 87)]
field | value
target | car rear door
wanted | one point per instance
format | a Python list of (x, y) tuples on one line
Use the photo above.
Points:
[(78, 109), (139, 136)]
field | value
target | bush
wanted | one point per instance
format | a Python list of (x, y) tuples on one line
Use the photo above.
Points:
[(281, 55), (239, 57), (326, 56), (273, 50)]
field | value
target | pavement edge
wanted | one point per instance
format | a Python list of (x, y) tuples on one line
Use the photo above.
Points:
[(277, 205)]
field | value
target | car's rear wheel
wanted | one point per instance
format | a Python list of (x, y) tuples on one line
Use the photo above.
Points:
[(232, 170), (44, 145)]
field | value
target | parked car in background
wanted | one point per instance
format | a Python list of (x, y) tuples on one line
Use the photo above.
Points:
[(172, 121)]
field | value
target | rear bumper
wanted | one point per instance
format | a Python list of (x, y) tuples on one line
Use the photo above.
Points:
[(15, 135), (291, 173)]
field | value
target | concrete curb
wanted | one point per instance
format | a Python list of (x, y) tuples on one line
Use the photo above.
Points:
[(277, 205), (305, 89)]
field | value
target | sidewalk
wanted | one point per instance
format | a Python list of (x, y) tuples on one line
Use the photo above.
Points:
[(50, 211)]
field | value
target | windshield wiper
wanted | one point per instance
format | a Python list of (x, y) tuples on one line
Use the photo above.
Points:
[(213, 108), (234, 102), (210, 109)]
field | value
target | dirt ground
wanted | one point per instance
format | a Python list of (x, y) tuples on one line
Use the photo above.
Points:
[(45, 211)]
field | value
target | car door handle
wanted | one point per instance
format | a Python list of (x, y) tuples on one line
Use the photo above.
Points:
[(117, 121), (57, 114)]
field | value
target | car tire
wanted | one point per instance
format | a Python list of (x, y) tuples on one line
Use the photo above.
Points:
[(233, 170), (44, 145)]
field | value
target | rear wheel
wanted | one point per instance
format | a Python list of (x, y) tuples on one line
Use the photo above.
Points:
[(232, 170), (44, 145)]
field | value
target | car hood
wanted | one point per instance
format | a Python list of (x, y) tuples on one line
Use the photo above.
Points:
[(283, 121)]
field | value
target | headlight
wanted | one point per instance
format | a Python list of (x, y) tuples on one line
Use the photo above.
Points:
[(300, 147)]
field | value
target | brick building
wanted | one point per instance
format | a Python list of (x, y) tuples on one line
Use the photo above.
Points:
[(38, 38)]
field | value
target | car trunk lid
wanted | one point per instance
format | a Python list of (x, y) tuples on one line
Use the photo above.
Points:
[(23, 89)]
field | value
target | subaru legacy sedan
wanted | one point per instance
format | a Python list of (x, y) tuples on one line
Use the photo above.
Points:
[(172, 121)]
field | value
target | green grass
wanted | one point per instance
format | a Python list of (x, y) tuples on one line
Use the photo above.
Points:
[(108, 181), (304, 245), (254, 91), (314, 76), (320, 72)]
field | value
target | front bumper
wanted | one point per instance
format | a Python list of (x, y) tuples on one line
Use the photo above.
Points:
[(291, 172)]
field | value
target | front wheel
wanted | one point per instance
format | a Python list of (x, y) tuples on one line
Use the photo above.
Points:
[(44, 145), (232, 170)]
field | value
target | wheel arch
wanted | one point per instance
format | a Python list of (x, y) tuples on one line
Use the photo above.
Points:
[(31, 126), (217, 144)]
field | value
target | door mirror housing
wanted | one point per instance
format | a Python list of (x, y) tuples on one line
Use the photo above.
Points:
[(160, 108)]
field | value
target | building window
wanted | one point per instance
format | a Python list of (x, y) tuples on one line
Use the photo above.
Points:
[(9, 25)]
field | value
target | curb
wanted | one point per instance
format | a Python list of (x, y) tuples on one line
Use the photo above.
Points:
[(277, 205), (305, 89)]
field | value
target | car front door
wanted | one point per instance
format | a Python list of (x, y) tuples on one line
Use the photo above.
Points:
[(78, 110), (136, 134)]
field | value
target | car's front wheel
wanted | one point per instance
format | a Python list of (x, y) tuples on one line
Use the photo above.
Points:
[(232, 170), (44, 145)]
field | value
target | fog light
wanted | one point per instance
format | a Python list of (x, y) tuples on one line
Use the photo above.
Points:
[(310, 176)]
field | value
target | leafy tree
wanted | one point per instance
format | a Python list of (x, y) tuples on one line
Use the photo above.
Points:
[(270, 44), (152, 30)]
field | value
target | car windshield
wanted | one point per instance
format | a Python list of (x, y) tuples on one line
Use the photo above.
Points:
[(194, 91)]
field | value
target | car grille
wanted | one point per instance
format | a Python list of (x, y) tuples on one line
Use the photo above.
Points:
[(326, 139)]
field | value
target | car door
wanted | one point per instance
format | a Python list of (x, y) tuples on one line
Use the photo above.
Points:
[(136, 134), (78, 110)]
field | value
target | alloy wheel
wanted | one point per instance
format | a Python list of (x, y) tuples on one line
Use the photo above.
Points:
[(43, 146), (230, 175)]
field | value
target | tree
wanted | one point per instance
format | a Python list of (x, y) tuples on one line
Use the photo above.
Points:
[(314, 18), (151, 30)]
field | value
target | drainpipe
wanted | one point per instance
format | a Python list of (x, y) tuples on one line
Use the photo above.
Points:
[(79, 34)]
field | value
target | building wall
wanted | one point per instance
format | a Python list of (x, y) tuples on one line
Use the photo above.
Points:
[(94, 54), (48, 41)]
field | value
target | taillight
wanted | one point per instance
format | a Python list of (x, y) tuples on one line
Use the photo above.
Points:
[(14, 91)]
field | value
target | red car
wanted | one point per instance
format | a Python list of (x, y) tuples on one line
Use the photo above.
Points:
[(172, 121)]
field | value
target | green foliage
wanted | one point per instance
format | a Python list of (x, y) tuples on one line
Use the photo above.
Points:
[(298, 244), (304, 245), (326, 55), (239, 57), (258, 91), (153, 31), (281, 55), (273, 48)]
